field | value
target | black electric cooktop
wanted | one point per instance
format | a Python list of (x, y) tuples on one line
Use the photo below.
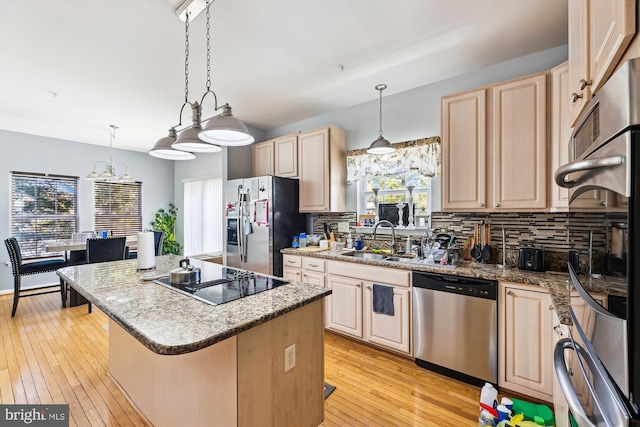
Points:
[(228, 284)]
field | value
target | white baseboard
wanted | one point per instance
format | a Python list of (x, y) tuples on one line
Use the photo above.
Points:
[(10, 291)]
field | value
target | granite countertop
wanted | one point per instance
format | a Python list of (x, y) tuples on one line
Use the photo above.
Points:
[(169, 322), (556, 282)]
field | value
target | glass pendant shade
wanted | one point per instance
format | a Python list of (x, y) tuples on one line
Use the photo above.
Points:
[(225, 129), (162, 149), (380, 146)]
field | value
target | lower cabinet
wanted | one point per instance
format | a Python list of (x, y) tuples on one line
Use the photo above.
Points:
[(525, 357), (350, 306)]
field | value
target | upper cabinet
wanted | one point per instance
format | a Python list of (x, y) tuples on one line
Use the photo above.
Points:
[(560, 131), (316, 157), (519, 143), (511, 124), (464, 150), (599, 33), (286, 156), (322, 169), (262, 159)]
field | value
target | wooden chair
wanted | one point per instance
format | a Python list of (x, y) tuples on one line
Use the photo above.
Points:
[(20, 269)]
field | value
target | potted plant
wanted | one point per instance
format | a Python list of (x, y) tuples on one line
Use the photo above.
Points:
[(166, 221)]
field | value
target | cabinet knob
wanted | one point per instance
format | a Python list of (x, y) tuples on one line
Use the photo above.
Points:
[(582, 84), (497, 205), (550, 308), (481, 205), (575, 97), (571, 371), (368, 287), (603, 204), (358, 285), (558, 330), (510, 293)]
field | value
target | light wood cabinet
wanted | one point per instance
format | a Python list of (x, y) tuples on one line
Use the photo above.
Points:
[(525, 362), (560, 132), (464, 150), (388, 331), (313, 271), (519, 143), (286, 156), (350, 306), (512, 126), (599, 33), (344, 305), (322, 169), (291, 273), (262, 161)]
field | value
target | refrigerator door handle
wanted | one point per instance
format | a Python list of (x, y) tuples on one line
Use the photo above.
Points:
[(239, 223), (246, 226)]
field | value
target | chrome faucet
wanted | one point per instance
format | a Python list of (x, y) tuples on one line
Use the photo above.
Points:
[(393, 234)]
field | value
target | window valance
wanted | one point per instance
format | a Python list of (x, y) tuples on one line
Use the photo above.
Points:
[(411, 159)]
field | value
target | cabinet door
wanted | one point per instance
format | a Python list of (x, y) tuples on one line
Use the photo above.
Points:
[(560, 131), (464, 138), (290, 273), (579, 95), (344, 305), (612, 24), (286, 156), (313, 278), (385, 330), (263, 159), (526, 363), (519, 143), (314, 165)]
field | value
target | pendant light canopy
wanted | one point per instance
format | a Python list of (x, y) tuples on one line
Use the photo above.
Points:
[(223, 129), (380, 145)]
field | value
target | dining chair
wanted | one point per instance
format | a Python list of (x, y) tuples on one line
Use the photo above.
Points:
[(104, 250), (158, 239), (20, 269)]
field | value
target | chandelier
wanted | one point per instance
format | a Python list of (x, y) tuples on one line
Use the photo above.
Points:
[(223, 129), (109, 173)]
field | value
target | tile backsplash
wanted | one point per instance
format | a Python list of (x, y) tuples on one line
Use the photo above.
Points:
[(546, 230)]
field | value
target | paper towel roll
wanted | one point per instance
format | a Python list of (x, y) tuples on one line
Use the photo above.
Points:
[(146, 251)]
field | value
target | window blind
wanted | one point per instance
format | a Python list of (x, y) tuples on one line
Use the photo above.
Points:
[(118, 207), (43, 207), (203, 217)]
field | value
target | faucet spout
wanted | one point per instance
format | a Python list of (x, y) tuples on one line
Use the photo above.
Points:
[(393, 234)]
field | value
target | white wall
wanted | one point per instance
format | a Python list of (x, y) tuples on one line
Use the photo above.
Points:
[(31, 153)]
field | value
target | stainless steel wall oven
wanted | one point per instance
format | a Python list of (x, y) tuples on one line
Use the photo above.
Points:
[(604, 182)]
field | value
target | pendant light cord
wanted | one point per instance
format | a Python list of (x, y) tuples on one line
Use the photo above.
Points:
[(380, 88), (186, 61), (208, 49)]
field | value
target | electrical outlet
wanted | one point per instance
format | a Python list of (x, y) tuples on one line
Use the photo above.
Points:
[(289, 357), (343, 227)]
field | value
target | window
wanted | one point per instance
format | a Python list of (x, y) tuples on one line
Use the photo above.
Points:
[(43, 207), (393, 190), (118, 207), (203, 217)]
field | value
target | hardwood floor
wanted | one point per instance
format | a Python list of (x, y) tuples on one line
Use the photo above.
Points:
[(54, 355)]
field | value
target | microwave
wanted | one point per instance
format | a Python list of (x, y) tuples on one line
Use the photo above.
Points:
[(389, 211)]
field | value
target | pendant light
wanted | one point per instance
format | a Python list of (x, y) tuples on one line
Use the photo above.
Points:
[(380, 145), (162, 149), (188, 139), (223, 129), (109, 172)]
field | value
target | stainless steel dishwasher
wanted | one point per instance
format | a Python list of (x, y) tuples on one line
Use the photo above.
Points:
[(455, 326)]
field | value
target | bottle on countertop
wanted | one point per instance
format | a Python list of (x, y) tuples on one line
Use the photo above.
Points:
[(358, 243), (302, 238), (349, 242)]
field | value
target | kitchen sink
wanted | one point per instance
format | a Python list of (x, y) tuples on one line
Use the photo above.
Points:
[(366, 255)]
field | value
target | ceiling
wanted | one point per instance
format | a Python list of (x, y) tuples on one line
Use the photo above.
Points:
[(69, 68)]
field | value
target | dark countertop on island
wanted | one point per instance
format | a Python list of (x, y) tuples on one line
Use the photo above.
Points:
[(169, 322), (556, 282)]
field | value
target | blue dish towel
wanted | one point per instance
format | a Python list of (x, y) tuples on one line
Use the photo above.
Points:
[(383, 299)]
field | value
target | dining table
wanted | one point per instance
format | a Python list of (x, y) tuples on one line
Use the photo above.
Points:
[(68, 245)]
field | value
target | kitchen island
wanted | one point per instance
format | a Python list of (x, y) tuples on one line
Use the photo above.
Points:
[(186, 362)]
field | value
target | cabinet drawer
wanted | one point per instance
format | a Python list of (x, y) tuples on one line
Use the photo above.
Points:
[(371, 273), (313, 264), (292, 261)]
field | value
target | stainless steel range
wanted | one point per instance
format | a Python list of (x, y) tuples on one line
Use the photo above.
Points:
[(224, 285)]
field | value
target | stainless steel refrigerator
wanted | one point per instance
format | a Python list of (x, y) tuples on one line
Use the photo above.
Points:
[(261, 219)]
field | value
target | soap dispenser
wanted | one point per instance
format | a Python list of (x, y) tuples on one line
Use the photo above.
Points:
[(349, 242)]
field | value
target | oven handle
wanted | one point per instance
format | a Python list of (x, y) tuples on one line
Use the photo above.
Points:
[(584, 165), (564, 379)]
